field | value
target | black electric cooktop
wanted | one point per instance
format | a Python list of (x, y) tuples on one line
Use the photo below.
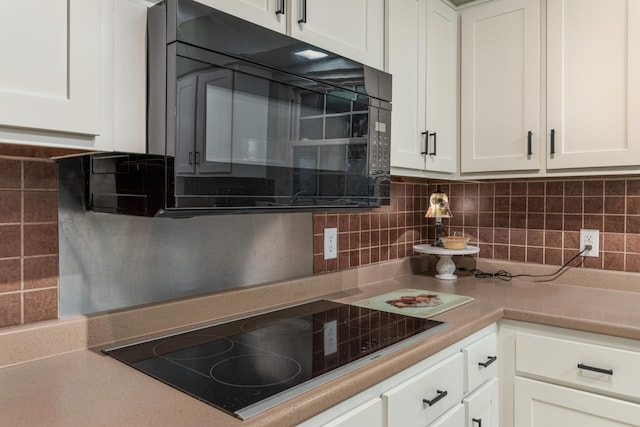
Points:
[(246, 366)]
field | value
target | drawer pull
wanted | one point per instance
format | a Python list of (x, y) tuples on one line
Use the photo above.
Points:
[(477, 420), (594, 369), (490, 360), (440, 396)]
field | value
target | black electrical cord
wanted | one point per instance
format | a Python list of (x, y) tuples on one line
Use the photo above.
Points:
[(506, 276)]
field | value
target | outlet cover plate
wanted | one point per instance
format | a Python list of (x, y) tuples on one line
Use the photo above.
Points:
[(590, 237), (330, 243)]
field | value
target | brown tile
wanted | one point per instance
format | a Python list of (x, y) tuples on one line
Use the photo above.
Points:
[(486, 251), (518, 204), (331, 221), (501, 252), (594, 222), (614, 205), (503, 189), (571, 259), (501, 235), (343, 241), (470, 204), (393, 251), (384, 253), (11, 176), (365, 222), (554, 204), (471, 219), (456, 190), (535, 255), (518, 237), (613, 242), (553, 221), (553, 256), (10, 276), (517, 253), (354, 222), (40, 206), (501, 220), (573, 205), (554, 188), (572, 222), (9, 241), (10, 310), (374, 255), (571, 239), (633, 205), (485, 235), (593, 262), (535, 237), (485, 219), (632, 244), (319, 264), (375, 221), (535, 221), (535, 188), (343, 260), (384, 220), (375, 238), (319, 220), (613, 261), (518, 188), (471, 190), (343, 222), (633, 187), (40, 272), (365, 239), (354, 240), (40, 239), (365, 256), (318, 244), (614, 223), (384, 236), (486, 204), (633, 224), (354, 258), (11, 206), (502, 204), (40, 305), (535, 204), (332, 264), (573, 188), (593, 188), (487, 189), (518, 220), (40, 175), (553, 239), (632, 263), (615, 188)]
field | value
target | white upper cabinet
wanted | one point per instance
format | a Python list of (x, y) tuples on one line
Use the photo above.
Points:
[(78, 74), (593, 81), (354, 28), (50, 77), (500, 86), (423, 59), (267, 13)]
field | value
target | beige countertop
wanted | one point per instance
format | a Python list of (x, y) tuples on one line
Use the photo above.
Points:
[(59, 383)]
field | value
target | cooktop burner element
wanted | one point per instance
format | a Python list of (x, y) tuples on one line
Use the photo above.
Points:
[(246, 366)]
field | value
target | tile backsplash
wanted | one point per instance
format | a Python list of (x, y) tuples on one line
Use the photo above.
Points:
[(532, 220), (28, 241)]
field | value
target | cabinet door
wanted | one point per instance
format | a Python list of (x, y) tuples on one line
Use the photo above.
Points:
[(482, 405), (500, 86), (353, 28), (50, 78), (453, 418), (539, 404), (423, 58), (267, 13), (440, 52), (593, 100)]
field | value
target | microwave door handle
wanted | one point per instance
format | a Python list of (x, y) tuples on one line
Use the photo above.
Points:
[(303, 12)]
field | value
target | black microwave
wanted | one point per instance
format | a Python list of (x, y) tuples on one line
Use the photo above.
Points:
[(245, 119)]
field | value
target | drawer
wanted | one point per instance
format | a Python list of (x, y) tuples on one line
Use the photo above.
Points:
[(482, 406), (367, 414), (452, 418), (593, 367), (480, 360), (407, 404)]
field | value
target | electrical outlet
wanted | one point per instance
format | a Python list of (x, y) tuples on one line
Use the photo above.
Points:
[(330, 243), (590, 237), (330, 337)]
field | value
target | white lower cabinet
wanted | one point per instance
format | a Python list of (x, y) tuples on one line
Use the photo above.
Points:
[(426, 396), (558, 377), (481, 406), (539, 404), (430, 393)]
